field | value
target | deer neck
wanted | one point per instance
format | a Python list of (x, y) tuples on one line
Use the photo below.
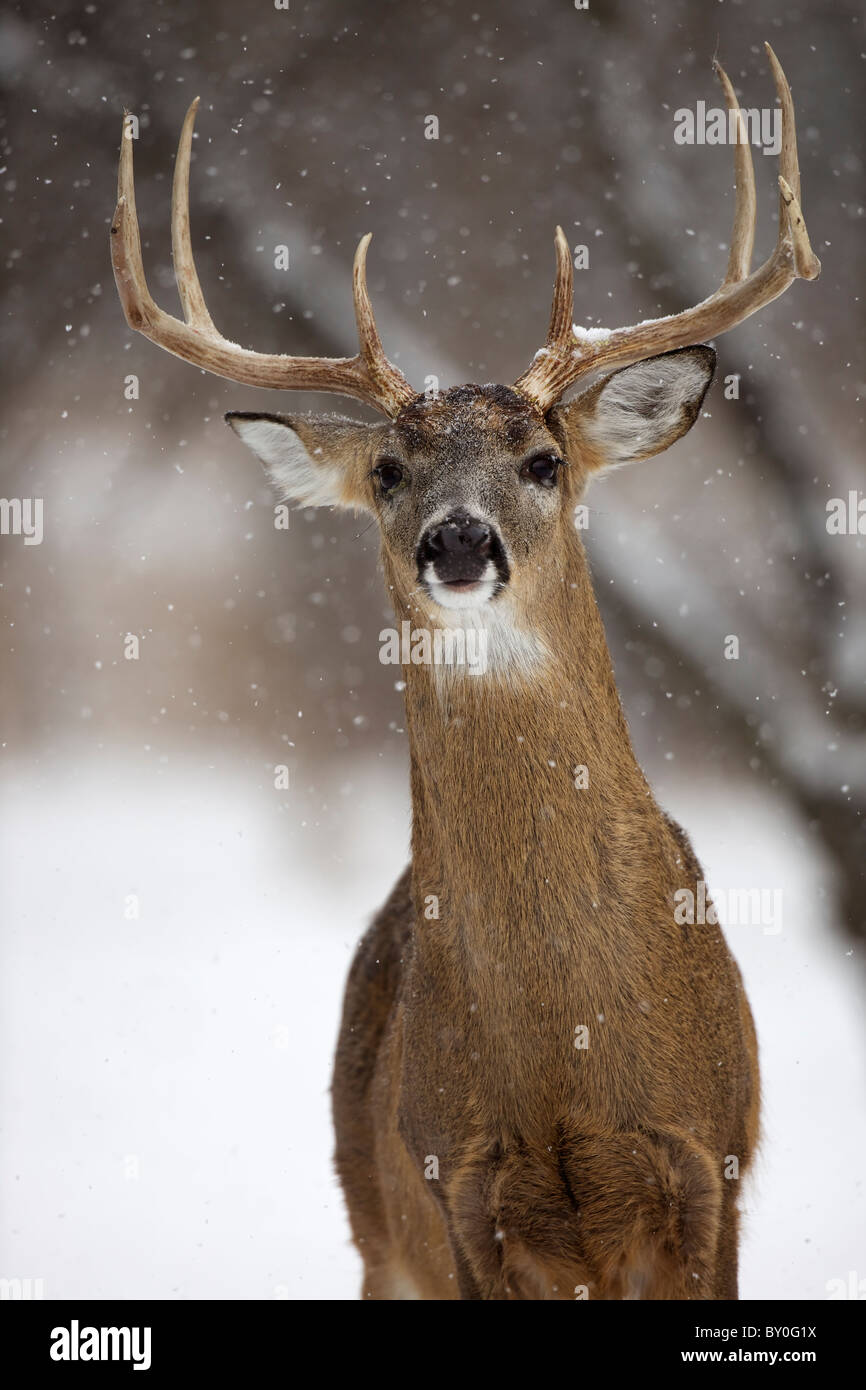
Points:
[(523, 776)]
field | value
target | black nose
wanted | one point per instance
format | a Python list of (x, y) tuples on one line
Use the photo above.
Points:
[(459, 549), (459, 536)]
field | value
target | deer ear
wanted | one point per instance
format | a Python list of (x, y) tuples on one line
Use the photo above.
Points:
[(638, 411), (315, 461)]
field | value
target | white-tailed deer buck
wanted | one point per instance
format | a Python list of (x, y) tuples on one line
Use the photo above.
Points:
[(541, 1079)]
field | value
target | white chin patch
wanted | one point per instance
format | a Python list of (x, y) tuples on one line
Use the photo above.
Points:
[(472, 596), (508, 651)]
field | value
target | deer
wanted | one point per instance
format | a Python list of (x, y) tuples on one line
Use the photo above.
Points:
[(543, 1082)]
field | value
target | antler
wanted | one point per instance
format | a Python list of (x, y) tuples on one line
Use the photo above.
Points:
[(570, 352), (369, 375)]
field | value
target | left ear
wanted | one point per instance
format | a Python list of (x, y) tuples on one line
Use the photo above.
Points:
[(312, 460), (637, 411)]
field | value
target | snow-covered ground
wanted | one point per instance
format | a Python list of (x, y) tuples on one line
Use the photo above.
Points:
[(165, 1119), (805, 1200)]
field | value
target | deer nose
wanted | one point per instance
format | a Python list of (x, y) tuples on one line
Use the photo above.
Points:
[(460, 536), (458, 550)]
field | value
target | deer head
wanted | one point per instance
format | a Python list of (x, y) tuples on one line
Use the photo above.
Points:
[(473, 488)]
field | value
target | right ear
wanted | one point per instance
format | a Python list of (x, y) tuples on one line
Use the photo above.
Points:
[(312, 460), (639, 410)]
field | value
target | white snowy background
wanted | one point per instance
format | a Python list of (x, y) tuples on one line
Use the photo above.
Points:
[(164, 1116)]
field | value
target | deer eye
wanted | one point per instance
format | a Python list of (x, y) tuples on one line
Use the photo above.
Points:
[(542, 469), (390, 475)]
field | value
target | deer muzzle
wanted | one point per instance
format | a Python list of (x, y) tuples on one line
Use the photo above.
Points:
[(462, 555)]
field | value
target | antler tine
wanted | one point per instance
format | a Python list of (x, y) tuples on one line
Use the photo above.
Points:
[(369, 375), (807, 264), (392, 383), (740, 293), (188, 287), (126, 241), (745, 207), (789, 164), (561, 330), (368, 334), (560, 349)]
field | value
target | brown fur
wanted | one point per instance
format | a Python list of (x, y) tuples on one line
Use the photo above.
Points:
[(483, 1155), (561, 1172)]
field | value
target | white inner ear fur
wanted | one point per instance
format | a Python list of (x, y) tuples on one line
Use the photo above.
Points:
[(641, 408), (297, 476)]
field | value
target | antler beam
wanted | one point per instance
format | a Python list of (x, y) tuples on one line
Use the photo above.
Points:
[(570, 354), (368, 376)]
